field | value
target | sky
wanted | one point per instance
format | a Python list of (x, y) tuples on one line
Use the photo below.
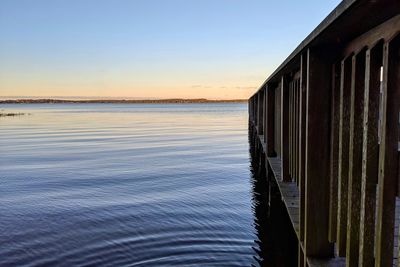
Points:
[(216, 49)]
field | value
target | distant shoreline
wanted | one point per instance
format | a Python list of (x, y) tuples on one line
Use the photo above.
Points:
[(12, 114), (121, 101)]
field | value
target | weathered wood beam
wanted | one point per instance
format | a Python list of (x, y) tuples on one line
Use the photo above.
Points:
[(373, 63), (388, 153), (270, 133), (290, 129), (260, 112), (302, 121), (294, 132), (277, 121), (285, 129), (265, 103), (317, 155), (355, 158), (256, 108), (294, 129), (300, 257), (335, 106), (343, 155), (298, 131), (386, 30)]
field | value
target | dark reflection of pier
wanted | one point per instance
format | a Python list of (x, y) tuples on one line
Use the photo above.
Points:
[(272, 223)]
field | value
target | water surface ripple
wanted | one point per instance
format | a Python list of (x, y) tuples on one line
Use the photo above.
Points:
[(126, 185)]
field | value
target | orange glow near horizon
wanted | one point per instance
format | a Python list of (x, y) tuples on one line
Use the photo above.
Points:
[(119, 86)]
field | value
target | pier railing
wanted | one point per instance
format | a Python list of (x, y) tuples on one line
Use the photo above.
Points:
[(328, 120)]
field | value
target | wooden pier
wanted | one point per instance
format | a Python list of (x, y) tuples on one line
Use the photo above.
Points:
[(327, 127)]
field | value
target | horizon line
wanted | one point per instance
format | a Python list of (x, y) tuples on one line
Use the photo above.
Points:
[(118, 98), (119, 101)]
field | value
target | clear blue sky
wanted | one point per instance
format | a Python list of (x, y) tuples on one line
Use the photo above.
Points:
[(148, 48)]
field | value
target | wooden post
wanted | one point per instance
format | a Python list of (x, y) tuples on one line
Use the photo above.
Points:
[(270, 133), (256, 109), (261, 118), (285, 129), (355, 158), (291, 153), (373, 64), (297, 133), (252, 109), (343, 169), (302, 147), (259, 113), (388, 154), (278, 126), (290, 139), (265, 130), (333, 202), (300, 257), (317, 163)]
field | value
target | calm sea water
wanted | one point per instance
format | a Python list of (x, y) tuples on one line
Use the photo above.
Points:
[(126, 185)]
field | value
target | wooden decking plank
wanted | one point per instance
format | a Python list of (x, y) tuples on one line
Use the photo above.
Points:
[(289, 193), (331, 262)]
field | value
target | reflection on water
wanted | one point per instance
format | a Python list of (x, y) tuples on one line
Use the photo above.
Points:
[(277, 242), (129, 185)]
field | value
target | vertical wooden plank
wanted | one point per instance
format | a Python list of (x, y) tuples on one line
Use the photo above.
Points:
[(256, 109), (302, 121), (343, 155), (293, 130), (292, 176), (250, 108), (253, 110), (262, 102), (277, 113), (260, 113), (261, 130), (300, 257), (295, 137), (388, 154), (270, 138), (334, 152), (285, 129), (298, 131), (292, 134), (290, 85), (373, 62), (355, 158), (317, 163), (265, 115)]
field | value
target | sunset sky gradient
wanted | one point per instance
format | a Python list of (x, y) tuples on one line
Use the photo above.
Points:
[(215, 49)]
